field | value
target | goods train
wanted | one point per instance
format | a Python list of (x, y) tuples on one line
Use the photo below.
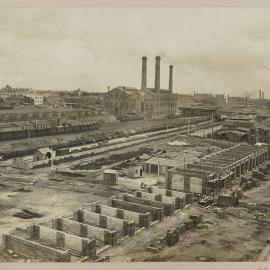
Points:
[(32, 133)]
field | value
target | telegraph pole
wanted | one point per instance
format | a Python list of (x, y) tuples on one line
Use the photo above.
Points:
[(124, 103), (28, 133), (212, 126), (52, 160)]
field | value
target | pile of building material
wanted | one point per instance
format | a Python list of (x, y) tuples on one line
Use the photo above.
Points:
[(227, 200), (172, 237)]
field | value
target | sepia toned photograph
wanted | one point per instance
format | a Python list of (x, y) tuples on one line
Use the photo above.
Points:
[(135, 134)]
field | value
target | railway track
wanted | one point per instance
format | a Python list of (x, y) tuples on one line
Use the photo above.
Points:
[(119, 146)]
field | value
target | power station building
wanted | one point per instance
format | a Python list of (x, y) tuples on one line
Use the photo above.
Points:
[(148, 102)]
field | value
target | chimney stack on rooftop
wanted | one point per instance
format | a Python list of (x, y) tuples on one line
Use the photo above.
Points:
[(157, 74), (171, 79), (144, 72)]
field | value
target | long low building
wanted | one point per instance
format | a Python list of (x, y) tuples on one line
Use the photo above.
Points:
[(225, 166)]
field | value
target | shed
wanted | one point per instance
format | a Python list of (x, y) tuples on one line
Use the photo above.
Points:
[(135, 171), (110, 177), (43, 153), (160, 166), (22, 163)]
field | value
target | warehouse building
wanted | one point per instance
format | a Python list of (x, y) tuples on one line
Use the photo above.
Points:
[(148, 102)]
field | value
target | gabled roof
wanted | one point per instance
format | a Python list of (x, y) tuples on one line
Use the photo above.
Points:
[(128, 90), (264, 124), (44, 150)]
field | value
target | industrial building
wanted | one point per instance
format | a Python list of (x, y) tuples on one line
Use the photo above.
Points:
[(219, 168), (148, 102)]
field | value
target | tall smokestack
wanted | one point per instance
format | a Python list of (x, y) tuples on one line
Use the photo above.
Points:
[(260, 94), (171, 79), (157, 74), (144, 72)]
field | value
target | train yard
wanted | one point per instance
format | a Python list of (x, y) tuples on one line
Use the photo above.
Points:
[(66, 211)]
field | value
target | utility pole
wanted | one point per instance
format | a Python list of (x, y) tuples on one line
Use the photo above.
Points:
[(52, 160), (212, 126), (158, 171), (124, 103), (188, 126), (28, 133)]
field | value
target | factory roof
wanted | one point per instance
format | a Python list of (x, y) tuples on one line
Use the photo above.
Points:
[(110, 171), (264, 124), (128, 90), (164, 162)]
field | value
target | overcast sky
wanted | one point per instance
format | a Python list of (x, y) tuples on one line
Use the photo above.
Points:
[(218, 50)]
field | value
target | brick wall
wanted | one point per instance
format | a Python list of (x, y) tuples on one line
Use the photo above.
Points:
[(35, 250)]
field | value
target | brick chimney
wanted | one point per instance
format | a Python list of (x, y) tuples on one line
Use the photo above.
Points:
[(171, 79), (157, 74), (144, 72)]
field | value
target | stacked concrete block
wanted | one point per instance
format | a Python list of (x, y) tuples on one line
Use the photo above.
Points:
[(189, 198), (110, 177), (105, 222), (172, 237), (189, 224), (79, 246), (181, 228), (35, 250), (84, 230), (140, 219), (196, 219), (226, 200)]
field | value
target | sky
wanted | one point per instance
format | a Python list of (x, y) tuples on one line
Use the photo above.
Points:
[(213, 50)]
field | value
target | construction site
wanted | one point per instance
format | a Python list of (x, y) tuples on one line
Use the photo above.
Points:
[(93, 171), (173, 194)]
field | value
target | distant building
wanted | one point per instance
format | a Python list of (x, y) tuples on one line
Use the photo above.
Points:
[(81, 100), (110, 177), (150, 102), (184, 100), (43, 153), (16, 100), (121, 101), (34, 99), (220, 100), (40, 157), (158, 103), (204, 99), (135, 171), (237, 100), (260, 133)]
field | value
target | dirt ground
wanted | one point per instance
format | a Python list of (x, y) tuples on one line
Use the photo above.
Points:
[(237, 236)]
